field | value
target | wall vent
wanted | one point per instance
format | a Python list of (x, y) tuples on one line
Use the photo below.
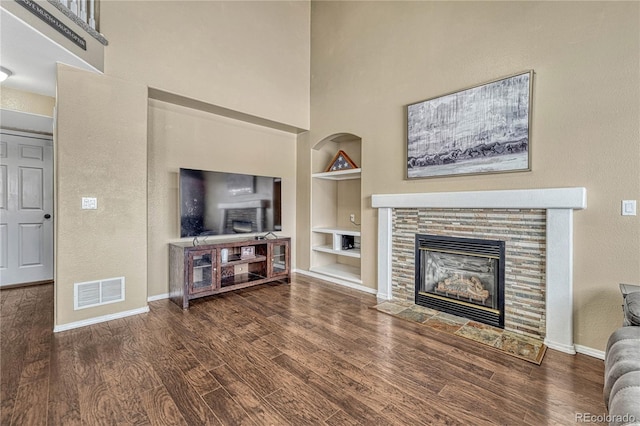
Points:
[(97, 293)]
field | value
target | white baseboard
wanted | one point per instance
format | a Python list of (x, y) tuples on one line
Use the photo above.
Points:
[(567, 349), (590, 351), (333, 280), (97, 320), (158, 297)]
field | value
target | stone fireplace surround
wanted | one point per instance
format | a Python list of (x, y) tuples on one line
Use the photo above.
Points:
[(559, 204)]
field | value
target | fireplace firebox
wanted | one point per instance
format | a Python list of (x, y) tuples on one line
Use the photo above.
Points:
[(461, 276)]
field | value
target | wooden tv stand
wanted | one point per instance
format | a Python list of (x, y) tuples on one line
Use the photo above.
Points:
[(225, 265)]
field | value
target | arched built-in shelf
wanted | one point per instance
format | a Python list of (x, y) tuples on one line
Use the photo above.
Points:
[(335, 197)]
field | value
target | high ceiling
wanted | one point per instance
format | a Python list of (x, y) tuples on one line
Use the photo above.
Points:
[(31, 57)]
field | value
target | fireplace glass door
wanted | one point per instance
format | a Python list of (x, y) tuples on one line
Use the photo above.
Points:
[(467, 278), (461, 276)]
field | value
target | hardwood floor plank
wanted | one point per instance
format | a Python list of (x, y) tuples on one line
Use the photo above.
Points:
[(27, 410), (340, 418), (188, 401), (226, 408), (257, 408), (300, 405), (161, 409), (17, 324), (340, 397), (63, 402), (494, 408)]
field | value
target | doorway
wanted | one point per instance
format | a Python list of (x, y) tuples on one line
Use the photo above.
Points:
[(26, 208)]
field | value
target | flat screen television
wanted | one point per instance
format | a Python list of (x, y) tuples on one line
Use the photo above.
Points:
[(221, 203)]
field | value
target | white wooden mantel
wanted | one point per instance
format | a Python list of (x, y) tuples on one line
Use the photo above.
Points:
[(559, 204)]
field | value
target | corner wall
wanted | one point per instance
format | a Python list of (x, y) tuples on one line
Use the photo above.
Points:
[(371, 59), (100, 150)]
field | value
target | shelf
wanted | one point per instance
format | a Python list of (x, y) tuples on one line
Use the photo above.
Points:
[(329, 249), (202, 266), (339, 270), (341, 175), (239, 261), (240, 279), (337, 231)]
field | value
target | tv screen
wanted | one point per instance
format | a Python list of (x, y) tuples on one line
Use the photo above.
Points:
[(220, 203)]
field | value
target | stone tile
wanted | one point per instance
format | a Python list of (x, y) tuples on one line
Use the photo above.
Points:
[(480, 333), (442, 324), (452, 318), (416, 315), (521, 346), (424, 309), (390, 307)]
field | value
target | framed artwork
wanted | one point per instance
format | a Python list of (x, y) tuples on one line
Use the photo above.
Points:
[(341, 161), (483, 129)]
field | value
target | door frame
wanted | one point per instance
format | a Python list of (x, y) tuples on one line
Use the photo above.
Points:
[(24, 124)]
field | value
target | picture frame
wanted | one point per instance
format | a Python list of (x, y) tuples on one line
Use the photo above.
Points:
[(482, 129)]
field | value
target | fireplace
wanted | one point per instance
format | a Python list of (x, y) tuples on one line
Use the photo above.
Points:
[(461, 276), (402, 216)]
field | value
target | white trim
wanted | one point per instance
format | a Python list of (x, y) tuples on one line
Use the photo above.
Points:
[(158, 297), (559, 280), (590, 351), (566, 348), (97, 320), (549, 198), (338, 281), (384, 253), (559, 203)]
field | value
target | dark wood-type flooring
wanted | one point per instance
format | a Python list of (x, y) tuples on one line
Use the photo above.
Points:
[(305, 353)]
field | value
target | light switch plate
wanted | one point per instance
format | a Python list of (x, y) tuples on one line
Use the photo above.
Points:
[(89, 203), (629, 208)]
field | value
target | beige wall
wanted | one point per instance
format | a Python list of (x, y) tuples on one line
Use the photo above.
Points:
[(100, 150), (248, 56), (188, 138), (371, 59), (17, 100)]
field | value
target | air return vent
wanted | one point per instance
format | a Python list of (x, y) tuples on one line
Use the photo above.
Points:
[(96, 293)]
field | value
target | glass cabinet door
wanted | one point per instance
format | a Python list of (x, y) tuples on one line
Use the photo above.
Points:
[(279, 258), (202, 271)]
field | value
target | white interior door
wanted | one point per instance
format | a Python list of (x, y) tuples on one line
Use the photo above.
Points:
[(26, 208)]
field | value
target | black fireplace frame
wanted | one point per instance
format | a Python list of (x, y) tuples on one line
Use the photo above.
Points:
[(493, 248)]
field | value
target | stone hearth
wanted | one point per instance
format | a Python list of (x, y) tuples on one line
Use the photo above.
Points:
[(554, 303)]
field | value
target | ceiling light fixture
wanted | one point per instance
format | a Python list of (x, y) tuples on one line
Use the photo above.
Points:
[(4, 74)]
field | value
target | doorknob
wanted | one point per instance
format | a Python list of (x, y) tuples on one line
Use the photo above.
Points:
[(47, 216)]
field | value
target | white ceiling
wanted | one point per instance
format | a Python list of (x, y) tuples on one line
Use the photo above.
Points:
[(31, 57)]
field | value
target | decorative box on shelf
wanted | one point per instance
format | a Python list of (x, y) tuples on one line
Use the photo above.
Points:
[(248, 252)]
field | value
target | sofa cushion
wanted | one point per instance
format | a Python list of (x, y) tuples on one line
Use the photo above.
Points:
[(624, 408), (623, 333), (632, 309), (621, 357)]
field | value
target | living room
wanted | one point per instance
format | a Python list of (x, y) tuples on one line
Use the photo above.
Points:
[(253, 87)]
